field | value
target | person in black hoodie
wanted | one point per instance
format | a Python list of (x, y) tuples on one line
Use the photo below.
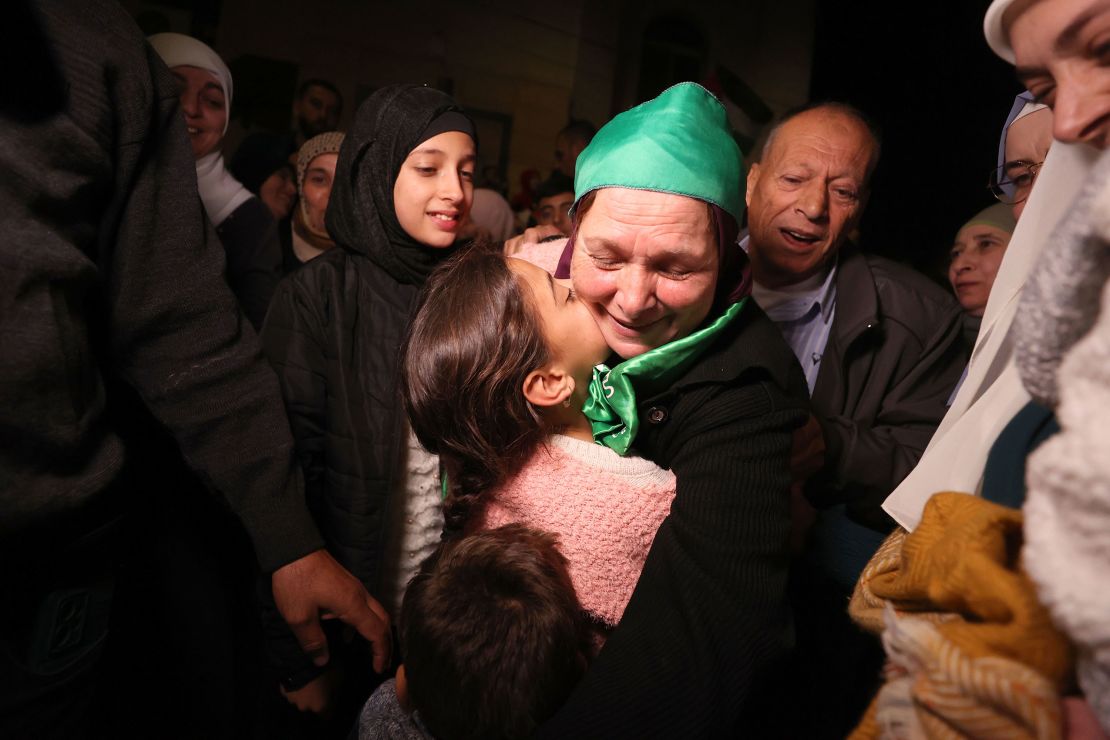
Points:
[(402, 189)]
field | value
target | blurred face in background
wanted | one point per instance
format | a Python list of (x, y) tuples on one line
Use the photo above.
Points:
[(555, 211), (278, 192), (317, 111), (316, 189), (975, 257), (567, 150), (205, 107)]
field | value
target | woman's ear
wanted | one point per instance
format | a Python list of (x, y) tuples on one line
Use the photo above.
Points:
[(549, 386)]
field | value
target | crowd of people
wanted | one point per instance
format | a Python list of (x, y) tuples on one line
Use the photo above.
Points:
[(329, 442)]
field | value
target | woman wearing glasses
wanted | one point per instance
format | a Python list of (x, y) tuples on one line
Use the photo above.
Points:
[(977, 250), (1026, 139)]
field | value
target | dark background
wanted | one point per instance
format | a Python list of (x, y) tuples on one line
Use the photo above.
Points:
[(922, 71), (925, 73)]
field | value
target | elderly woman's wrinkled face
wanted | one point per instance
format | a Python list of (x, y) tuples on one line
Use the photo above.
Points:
[(205, 108), (1062, 51), (646, 265), (316, 189)]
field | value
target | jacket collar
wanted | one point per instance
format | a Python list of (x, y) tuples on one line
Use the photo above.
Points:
[(745, 344), (857, 303)]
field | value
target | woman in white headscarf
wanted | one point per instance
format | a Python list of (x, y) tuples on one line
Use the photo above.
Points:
[(243, 222)]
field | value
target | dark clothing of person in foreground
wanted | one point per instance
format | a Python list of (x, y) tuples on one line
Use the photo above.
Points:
[(111, 286)]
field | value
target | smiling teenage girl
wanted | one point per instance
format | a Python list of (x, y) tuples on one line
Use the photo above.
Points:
[(402, 187)]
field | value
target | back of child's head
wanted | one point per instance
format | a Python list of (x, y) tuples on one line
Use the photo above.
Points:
[(491, 635), (474, 339)]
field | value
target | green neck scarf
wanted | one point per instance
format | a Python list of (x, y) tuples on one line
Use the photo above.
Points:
[(611, 405)]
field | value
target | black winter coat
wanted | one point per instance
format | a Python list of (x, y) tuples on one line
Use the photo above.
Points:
[(708, 620), (334, 334), (250, 238)]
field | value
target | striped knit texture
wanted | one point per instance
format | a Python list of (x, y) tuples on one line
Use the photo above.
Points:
[(971, 652)]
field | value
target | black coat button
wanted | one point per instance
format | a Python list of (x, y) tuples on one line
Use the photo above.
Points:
[(657, 414)]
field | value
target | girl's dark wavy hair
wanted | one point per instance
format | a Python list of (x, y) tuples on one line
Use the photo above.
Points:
[(475, 338)]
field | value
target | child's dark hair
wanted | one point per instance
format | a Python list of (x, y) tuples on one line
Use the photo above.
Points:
[(491, 634), (474, 340)]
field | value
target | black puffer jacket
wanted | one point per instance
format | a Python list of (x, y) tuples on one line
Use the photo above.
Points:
[(334, 334)]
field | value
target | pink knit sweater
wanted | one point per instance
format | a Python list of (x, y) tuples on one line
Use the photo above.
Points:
[(604, 508)]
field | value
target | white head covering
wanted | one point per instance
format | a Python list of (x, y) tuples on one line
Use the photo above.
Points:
[(219, 191), (179, 50), (992, 391), (1022, 107), (997, 39), (1026, 109)]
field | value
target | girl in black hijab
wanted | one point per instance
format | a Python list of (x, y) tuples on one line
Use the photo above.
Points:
[(403, 187)]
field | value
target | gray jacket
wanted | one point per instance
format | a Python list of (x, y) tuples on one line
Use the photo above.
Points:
[(893, 357)]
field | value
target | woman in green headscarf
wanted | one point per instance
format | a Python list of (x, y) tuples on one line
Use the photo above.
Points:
[(702, 383)]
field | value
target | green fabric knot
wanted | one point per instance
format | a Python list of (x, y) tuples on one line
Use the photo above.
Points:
[(611, 402)]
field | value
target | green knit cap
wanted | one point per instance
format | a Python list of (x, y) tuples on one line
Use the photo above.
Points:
[(679, 143), (999, 216)]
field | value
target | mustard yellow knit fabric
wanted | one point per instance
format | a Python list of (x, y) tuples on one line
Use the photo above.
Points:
[(972, 653)]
